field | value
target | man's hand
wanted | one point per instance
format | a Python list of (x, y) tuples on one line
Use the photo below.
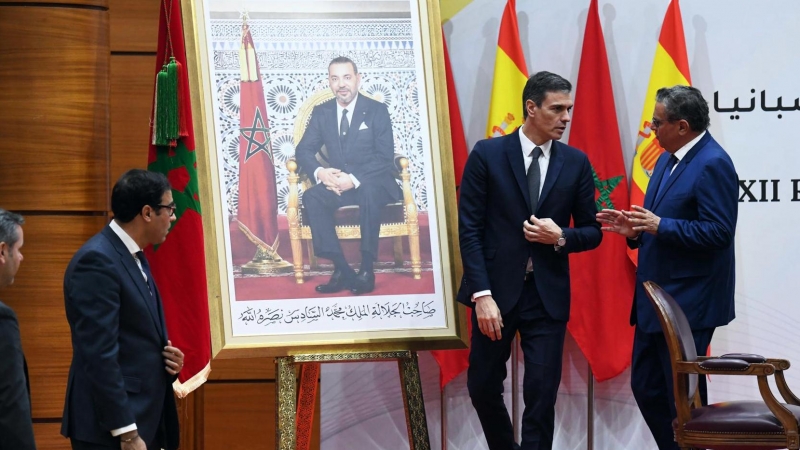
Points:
[(344, 182), (643, 220), (136, 444), (489, 320), (328, 176), (543, 231), (173, 358), (616, 222)]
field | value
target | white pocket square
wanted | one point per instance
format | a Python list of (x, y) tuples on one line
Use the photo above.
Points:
[(363, 126)]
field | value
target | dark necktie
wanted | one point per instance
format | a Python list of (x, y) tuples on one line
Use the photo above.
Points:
[(667, 172), (146, 269), (534, 179), (344, 125)]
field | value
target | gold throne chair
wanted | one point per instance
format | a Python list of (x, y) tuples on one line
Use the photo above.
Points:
[(398, 220)]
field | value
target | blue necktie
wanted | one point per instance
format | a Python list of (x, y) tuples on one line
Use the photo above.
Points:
[(146, 269), (667, 172)]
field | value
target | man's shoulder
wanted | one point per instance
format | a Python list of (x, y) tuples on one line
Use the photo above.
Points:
[(569, 150), (6, 311)]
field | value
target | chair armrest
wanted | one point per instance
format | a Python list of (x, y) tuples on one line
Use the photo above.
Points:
[(717, 366), (749, 357)]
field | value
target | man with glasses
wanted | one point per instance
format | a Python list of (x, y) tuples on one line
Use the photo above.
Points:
[(119, 393), (16, 427), (684, 234)]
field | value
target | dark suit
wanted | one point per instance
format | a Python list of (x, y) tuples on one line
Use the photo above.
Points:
[(494, 203), (117, 376), (692, 258), (367, 153), (16, 429)]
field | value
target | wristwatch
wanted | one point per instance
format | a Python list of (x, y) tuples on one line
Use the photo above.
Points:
[(561, 242)]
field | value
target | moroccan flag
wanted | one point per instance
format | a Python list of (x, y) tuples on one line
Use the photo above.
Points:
[(453, 362), (601, 280), (178, 265), (671, 67), (258, 197), (510, 76)]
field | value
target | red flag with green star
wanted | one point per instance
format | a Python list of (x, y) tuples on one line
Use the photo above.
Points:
[(601, 280), (178, 265)]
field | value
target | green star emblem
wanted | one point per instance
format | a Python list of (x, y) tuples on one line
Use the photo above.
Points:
[(605, 188), (251, 136)]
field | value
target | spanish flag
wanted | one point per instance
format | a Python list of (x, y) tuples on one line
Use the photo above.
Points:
[(510, 76), (671, 67)]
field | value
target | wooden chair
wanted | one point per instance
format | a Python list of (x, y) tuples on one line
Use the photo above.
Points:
[(752, 425), (398, 220)]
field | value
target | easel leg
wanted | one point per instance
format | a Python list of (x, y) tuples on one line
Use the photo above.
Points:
[(414, 405), (286, 399)]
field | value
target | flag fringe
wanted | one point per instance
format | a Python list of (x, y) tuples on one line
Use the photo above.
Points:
[(197, 380)]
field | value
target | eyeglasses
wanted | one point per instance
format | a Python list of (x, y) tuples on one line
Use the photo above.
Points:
[(656, 123), (172, 207)]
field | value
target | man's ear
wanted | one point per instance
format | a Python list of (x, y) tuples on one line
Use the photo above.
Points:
[(3, 249)]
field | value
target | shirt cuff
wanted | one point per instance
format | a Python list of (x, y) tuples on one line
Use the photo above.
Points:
[(354, 180), (480, 294), (316, 171), (119, 431)]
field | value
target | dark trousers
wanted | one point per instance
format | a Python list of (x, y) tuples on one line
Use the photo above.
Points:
[(542, 340), (651, 382), (320, 205)]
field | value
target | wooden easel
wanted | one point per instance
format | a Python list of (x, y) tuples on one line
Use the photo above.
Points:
[(286, 393)]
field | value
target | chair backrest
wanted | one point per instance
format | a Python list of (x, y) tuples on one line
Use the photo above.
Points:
[(678, 335)]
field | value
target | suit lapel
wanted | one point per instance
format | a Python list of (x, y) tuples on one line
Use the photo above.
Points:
[(356, 119), (655, 182), (553, 169), (679, 168), (513, 149), (136, 276)]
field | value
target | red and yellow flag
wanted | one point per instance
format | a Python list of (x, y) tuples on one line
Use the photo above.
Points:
[(601, 280), (510, 76), (670, 67)]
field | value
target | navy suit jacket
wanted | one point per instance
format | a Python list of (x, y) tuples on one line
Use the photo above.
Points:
[(16, 427), (493, 204), (692, 256), (368, 150), (117, 375)]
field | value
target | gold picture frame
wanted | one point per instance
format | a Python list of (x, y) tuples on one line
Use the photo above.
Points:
[(240, 312)]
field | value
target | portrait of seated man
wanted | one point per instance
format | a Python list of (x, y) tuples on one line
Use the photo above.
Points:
[(357, 133)]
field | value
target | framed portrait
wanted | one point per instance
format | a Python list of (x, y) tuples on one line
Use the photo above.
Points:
[(327, 180)]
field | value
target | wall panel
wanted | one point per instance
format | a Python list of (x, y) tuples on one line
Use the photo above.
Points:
[(54, 108)]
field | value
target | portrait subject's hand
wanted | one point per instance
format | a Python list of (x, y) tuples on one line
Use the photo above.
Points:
[(344, 182), (643, 220), (489, 320), (173, 358), (543, 231), (329, 177), (616, 221)]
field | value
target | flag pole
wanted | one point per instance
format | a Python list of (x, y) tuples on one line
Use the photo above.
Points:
[(515, 388), (443, 408), (590, 411)]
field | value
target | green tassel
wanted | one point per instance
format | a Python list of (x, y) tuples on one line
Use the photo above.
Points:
[(173, 124), (161, 136)]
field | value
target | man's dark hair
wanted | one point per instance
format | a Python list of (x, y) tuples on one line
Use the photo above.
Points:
[(135, 189), (9, 222), (685, 103), (342, 60), (539, 84)]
